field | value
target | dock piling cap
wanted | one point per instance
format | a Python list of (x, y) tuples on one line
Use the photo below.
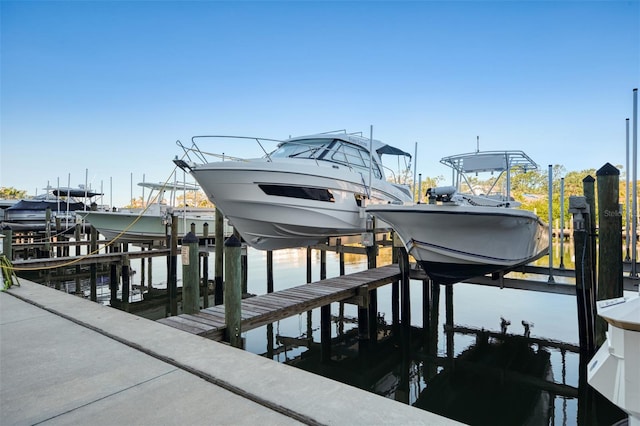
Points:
[(608, 170), (190, 237), (232, 241), (622, 312)]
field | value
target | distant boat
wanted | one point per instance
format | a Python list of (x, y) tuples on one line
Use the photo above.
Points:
[(308, 189), (30, 214), (150, 223), (458, 235)]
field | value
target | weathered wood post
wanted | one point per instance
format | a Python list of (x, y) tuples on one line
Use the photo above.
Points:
[(150, 272), (426, 309), (190, 274), (204, 257), (76, 236), (59, 248), (142, 270), (405, 329), (173, 267), (244, 266), (309, 278), (325, 315), (585, 282), (113, 284), (308, 265), (372, 307), (205, 266), (610, 281), (269, 271), (270, 334), (47, 241), (126, 282), (589, 191), (395, 286), (7, 242), (448, 300), (233, 291), (340, 251), (405, 295), (218, 291), (93, 268)]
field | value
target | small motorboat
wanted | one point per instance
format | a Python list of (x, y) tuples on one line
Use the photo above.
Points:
[(459, 235)]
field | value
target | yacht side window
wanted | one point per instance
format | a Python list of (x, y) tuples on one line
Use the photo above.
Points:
[(357, 158)]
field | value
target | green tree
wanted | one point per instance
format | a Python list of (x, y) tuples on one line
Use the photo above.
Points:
[(11, 193)]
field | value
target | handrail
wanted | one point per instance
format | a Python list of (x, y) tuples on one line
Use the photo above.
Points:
[(348, 158)]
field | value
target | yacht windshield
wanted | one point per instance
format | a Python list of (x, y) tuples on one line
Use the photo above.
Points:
[(310, 148), (333, 150)]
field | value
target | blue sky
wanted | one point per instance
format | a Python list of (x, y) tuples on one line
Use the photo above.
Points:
[(110, 86)]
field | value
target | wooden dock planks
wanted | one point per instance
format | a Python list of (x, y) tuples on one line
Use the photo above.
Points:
[(268, 308)]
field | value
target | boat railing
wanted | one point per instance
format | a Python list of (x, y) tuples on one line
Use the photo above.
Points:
[(194, 154), (355, 162)]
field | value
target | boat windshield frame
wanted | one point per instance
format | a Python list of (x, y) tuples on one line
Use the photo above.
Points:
[(335, 150), (504, 162)]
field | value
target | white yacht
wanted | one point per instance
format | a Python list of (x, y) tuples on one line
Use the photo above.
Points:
[(459, 235), (308, 189)]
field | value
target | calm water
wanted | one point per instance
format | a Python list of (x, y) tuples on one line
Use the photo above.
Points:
[(418, 372)]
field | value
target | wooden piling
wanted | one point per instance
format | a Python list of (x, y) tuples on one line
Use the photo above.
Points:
[(448, 300), (47, 229), (610, 279), (244, 266), (308, 264), (7, 243), (77, 231), (205, 279), (59, 250), (113, 284), (269, 271), (93, 268), (172, 277), (405, 295), (372, 307), (233, 291), (190, 274), (588, 189), (395, 286), (218, 291), (126, 282), (363, 320), (325, 333)]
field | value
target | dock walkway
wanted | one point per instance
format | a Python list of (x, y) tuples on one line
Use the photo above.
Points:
[(66, 360), (268, 308)]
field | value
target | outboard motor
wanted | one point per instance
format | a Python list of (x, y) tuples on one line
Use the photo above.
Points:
[(440, 193)]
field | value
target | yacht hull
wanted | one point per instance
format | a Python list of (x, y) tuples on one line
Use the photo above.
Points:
[(291, 204), (454, 243)]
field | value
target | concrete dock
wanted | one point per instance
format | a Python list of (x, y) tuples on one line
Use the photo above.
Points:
[(66, 360)]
